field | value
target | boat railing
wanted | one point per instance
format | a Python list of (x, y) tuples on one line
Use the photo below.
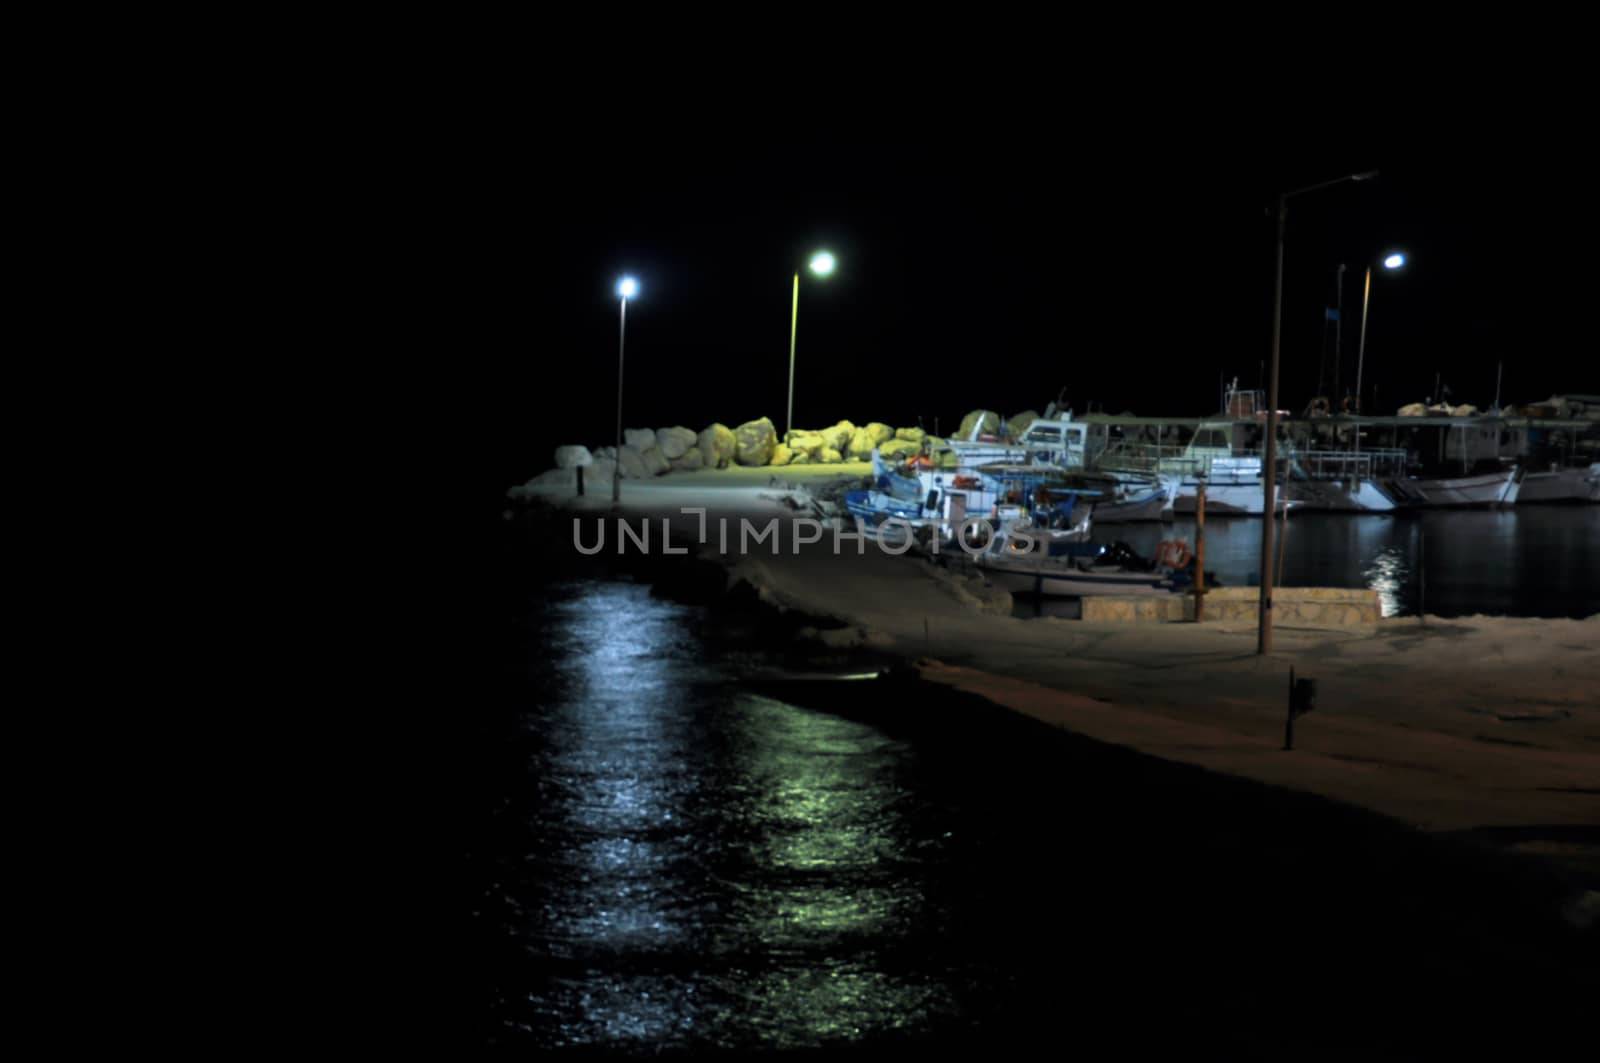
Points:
[(1124, 456), (1362, 464)]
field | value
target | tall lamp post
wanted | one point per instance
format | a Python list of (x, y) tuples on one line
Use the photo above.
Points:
[(822, 264), (1269, 459), (1394, 261), (627, 288)]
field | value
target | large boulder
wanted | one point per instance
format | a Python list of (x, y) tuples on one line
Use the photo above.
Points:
[(838, 437), (880, 432), (861, 444), (1018, 424), (802, 458), (914, 435), (755, 441), (675, 442), (897, 448), (830, 456), (717, 445), (598, 473), (989, 420), (632, 461), (609, 453), (640, 439), (782, 455), (808, 443), (689, 460), (1415, 409), (554, 478), (572, 457), (655, 463)]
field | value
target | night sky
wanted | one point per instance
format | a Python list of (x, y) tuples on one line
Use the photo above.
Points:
[(992, 265)]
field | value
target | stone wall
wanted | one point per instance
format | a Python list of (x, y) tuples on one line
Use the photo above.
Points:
[(1290, 605)]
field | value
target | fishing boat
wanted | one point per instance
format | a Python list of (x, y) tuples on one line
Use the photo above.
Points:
[(1058, 443), (1153, 502), (1557, 483), (1019, 562), (945, 501), (1222, 452)]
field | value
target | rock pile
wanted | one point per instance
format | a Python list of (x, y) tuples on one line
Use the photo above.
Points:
[(654, 452)]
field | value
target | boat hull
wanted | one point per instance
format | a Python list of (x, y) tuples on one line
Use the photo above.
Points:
[(1065, 582), (1225, 500), (1492, 490), (1557, 485), (1148, 507), (1340, 496)]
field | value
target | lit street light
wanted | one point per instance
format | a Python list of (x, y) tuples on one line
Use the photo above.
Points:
[(1394, 261), (627, 288), (1269, 472), (821, 264)]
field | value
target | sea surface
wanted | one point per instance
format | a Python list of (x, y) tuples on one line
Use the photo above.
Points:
[(1524, 561), (665, 861)]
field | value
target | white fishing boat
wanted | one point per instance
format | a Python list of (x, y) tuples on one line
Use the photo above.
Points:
[(1493, 490), (1557, 484), (1221, 452)]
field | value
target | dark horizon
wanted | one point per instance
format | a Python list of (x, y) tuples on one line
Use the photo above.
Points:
[(990, 271)]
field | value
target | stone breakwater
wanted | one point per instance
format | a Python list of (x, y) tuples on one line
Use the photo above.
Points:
[(647, 453)]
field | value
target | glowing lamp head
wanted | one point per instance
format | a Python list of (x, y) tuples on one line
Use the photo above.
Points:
[(822, 264), (1394, 261), (627, 287)]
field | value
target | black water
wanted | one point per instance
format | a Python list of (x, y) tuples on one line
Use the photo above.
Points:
[(666, 861), (1525, 561)]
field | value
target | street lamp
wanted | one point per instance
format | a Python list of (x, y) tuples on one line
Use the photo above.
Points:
[(1269, 472), (627, 288), (1394, 261), (822, 264)]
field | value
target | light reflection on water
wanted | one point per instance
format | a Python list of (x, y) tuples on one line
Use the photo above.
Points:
[(676, 865), (1389, 573), (757, 922)]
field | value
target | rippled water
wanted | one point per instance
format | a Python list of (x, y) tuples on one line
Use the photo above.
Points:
[(669, 862), (713, 867), (1525, 561)]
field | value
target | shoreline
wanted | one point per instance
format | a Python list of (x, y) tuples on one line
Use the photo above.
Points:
[(1467, 725)]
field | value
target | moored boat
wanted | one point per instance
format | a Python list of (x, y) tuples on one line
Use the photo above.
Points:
[(1558, 484), (1493, 490), (1018, 561), (1152, 503)]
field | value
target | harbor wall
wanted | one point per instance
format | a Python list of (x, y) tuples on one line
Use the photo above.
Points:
[(1340, 606)]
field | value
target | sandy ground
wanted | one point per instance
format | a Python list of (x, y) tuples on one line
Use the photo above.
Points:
[(1444, 724)]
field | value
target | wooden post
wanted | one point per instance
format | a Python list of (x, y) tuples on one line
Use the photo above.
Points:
[(1200, 552), (580, 479)]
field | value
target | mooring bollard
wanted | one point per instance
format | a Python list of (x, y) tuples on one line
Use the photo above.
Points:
[(1302, 699)]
